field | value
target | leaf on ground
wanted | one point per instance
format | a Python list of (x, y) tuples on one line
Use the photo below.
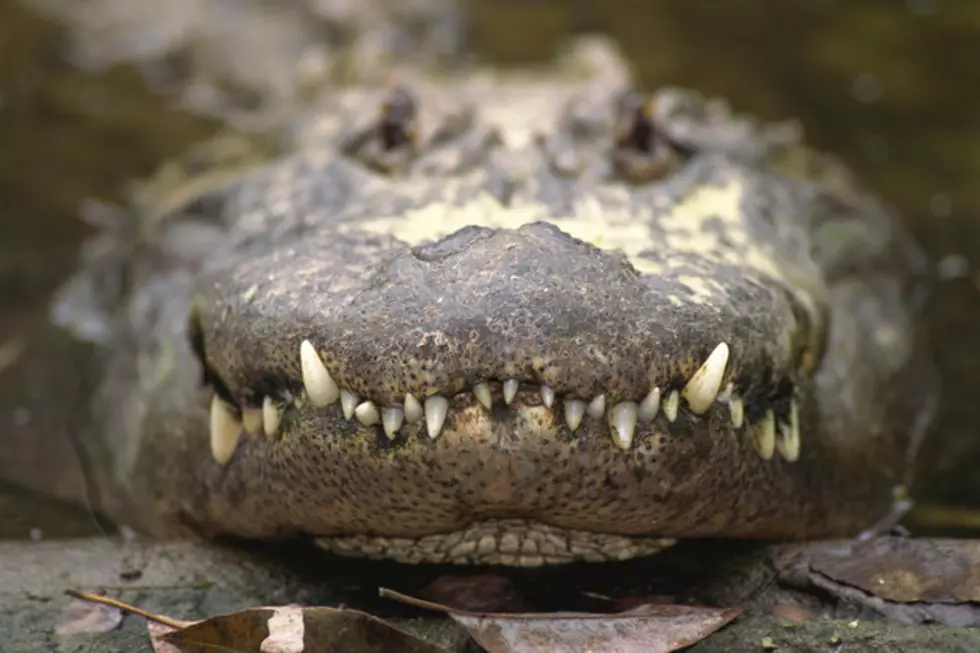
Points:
[(646, 629), (238, 632), (905, 579), (286, 629), (289, 629), (82, 616), (906, 570)]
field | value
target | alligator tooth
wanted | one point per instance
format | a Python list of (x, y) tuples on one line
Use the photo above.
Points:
[(436, 409), (547, 396), (736, 408), (671, 404), (319, 384), (703, 387), (763, 436), (788, 444), (510, 390), (270, 416), (413, 409), (391, 419), (348, 402), (622, 419), (367, 413), (252, 420), (574, 412), (226, 430), (482, 392), (650, 406), (597, 407)]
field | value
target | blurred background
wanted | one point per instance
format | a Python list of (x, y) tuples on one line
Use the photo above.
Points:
[(95, 94)]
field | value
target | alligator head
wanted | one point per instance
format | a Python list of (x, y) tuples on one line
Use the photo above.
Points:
[(523, 322)]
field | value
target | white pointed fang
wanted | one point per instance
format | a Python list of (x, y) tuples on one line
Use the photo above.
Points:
[(788, 444), (413, 409), (391, 420), (348, 402), (650, 406), (736, 408), (252, 420), (319, 384), (482, 392), (671, 404), (703, 387), (597, 407), (367, 413), (574, 412), (763, 436), (547, 396), (436, 409), (270, 416), (622, 419), (226, 431), (510, 390)]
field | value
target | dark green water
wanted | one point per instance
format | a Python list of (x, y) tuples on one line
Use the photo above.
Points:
[(893, 87)]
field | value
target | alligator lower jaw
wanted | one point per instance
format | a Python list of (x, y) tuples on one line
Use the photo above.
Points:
[(509, 542)]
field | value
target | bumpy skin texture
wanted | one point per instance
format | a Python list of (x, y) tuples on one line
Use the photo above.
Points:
[(544, 235)]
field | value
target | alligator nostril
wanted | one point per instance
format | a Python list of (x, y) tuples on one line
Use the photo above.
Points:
[(390, 142), (398, 126), (635, 129)]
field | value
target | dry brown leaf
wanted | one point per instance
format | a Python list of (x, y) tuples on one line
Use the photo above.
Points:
[(286, 629), (157, 631), (236, 632), (645, 629), (904, 579)]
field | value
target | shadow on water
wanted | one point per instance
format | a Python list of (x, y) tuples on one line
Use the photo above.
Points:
[(891, 87)]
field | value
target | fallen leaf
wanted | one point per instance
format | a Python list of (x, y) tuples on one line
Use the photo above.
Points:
[(905, 570), (645, 629), (157, 631), (83, 616), (904, 579), (352, 631), (285, 629), (237, 632), (288, 629)]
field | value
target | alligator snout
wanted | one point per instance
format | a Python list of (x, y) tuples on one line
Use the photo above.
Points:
[(488, 312)]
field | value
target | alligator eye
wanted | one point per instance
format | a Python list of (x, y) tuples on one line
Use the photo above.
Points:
[(398, 125), (641, 153)]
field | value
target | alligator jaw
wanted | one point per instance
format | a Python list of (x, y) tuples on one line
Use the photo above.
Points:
[(701, 392)]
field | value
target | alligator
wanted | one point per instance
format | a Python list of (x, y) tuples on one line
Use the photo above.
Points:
[(512, 317)]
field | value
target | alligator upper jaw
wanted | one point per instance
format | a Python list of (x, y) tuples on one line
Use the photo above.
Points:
[(487, 311)]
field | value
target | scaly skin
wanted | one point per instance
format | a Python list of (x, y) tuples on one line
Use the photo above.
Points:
[(410, 246)]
